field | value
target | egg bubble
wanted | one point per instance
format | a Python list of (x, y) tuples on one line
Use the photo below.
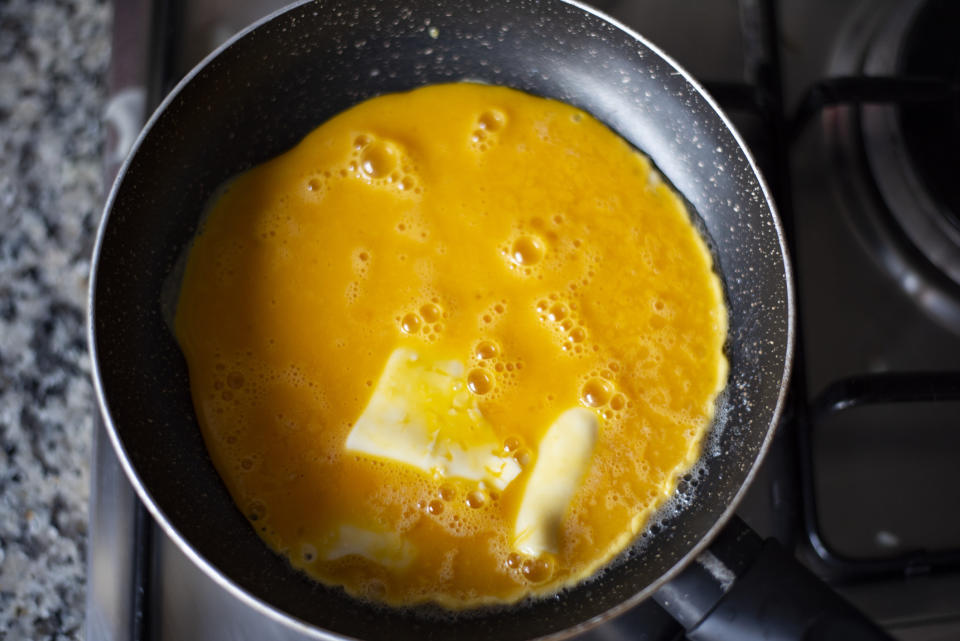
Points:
[(431, 313), (538, 570), (527, 251), (378, 159), (410, 324), (479, 381), (492, 120), (557, 313), (486, 350), (523, 457), (362, 141), (596, 392), (475, 499)]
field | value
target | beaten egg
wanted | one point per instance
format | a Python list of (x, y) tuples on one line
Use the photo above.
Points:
[(456, 346)]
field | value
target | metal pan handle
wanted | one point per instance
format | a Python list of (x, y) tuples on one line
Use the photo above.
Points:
[(749, 589)]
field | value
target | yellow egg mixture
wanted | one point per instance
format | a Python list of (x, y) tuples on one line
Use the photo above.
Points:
[(455, 346)]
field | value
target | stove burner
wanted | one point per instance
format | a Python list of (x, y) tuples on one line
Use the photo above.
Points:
[(912, 152), (932, 131)]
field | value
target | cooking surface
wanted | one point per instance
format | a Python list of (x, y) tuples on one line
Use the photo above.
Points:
[(881, 474)]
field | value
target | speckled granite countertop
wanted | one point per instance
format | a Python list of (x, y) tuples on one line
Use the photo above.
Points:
[(53, 62)]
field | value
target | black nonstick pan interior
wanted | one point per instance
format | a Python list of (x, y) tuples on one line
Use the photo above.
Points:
[(259, 96)]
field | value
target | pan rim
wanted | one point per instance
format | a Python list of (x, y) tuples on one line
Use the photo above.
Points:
[(312, 630)]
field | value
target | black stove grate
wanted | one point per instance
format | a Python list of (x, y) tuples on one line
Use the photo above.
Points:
[(760, 96)]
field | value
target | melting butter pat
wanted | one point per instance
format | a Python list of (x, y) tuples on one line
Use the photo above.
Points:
[(422, 414), (386, 548), (562, 459)]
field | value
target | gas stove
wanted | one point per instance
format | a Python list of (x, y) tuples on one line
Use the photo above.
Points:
[(852, 109)]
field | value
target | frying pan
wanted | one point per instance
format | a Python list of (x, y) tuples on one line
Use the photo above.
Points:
[(256, 97)]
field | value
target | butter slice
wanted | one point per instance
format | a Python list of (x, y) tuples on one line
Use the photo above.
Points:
[(422, 414), (562, 459), (386, 548)]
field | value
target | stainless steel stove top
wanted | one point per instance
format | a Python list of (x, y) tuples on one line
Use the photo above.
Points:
[(858, 482)]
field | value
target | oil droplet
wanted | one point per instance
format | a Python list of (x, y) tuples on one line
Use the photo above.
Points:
[(479, 381), (578, 334), (446, 493), (527, 250), (235, 380), (510, 444), (435, 507), (246, 464), (378, 160), (595, 392), (313, 185), (618, 402), (410, 324), (486, 350), (475, 499), (430, 313), (514, 561)]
